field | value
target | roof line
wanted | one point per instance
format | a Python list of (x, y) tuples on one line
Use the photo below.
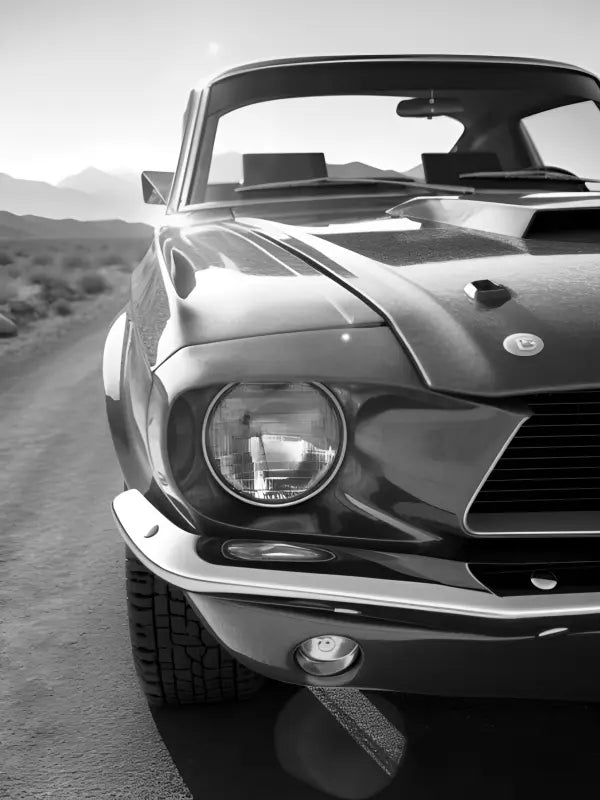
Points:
[(453, 58)]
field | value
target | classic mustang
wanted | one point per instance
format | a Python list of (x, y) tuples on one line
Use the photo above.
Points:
[(355, 394)]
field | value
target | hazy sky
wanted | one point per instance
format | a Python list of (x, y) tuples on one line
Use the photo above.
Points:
[(104, 82)]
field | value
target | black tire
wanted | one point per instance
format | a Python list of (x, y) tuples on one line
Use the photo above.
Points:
[(176, 659)]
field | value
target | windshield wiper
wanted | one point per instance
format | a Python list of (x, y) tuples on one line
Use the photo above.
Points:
[(524, 174), (317, 182)]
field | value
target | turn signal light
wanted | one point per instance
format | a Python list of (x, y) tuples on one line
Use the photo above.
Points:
[(274, 551)]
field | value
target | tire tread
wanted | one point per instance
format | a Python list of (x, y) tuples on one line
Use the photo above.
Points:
[(176, 659)]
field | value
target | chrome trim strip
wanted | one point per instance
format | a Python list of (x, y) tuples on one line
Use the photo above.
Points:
[(481, 483), (171, 554), (186, 159), (320, 486)]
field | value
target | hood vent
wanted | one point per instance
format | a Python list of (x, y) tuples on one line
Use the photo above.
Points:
[(565, 225), (527, 217)]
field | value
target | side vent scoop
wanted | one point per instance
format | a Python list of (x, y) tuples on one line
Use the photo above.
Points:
[(487, 293), (183, 274)]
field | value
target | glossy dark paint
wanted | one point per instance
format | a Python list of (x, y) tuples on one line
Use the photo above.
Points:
[(329, 289), (217, 301), (412, 654), (555, 296)]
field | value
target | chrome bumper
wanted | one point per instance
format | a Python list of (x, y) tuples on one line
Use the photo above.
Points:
[(171, 554)]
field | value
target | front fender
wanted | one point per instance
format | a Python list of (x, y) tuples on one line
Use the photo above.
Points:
[(127, 382)]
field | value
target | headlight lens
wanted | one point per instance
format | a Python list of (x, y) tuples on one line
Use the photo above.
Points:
[(274, 444)]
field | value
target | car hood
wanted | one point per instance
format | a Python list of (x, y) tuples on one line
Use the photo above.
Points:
[(413, 270)]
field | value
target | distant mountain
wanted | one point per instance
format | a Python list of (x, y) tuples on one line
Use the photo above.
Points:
[(227, 168), (36, 197), (356, 169), (96, 182), (29, 226), (89, 195)]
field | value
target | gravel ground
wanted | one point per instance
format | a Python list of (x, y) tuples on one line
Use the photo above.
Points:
[(74, 724)]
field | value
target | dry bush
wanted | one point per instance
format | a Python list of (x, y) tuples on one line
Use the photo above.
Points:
[(8, 291), (6, 258), (42, 260), (111, 260), (23, 311), (75, 261), (53, 286), (93, 283), (62, 307)]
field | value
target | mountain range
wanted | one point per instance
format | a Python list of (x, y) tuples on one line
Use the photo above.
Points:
[(89, 195), (94, 194), (28, 226)]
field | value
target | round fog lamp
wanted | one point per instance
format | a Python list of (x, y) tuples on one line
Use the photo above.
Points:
[(327, 655), (274, 551)]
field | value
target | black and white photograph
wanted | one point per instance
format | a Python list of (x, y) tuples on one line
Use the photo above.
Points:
[(299, 399)]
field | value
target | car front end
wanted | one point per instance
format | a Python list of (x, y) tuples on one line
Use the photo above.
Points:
[(333, 446)]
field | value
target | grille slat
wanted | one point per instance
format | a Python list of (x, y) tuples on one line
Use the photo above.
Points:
[(553, 462)]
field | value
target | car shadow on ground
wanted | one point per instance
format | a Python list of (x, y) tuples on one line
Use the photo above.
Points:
[(282, 743)]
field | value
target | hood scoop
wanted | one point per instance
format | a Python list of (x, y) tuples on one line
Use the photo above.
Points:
[(531, 217)]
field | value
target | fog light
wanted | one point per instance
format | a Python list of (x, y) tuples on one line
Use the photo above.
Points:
[(274, 551), (327, 655)]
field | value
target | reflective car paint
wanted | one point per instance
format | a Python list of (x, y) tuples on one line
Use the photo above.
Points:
[(426, 405)]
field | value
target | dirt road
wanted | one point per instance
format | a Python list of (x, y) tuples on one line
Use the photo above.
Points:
[(73, 723)]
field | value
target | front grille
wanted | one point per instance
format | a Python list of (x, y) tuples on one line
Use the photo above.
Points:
[(553, 462)]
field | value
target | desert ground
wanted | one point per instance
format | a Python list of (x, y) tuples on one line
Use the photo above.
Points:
[(45, 278)]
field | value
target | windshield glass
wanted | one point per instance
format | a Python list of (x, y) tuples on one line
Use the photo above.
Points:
[(567, 137), (297, 127), (358, 136)]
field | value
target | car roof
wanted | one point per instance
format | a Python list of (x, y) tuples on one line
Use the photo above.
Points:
[(456, 59)]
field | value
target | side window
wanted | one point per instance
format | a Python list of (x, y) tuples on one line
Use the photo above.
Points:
[(568, 137)]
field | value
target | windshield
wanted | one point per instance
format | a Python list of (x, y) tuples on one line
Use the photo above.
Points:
[(358, 137), (314, 128)]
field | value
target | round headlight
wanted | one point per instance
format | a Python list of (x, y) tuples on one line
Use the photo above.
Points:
[(274, 444)]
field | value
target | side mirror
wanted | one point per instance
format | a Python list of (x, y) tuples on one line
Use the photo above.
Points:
[(156, 187)]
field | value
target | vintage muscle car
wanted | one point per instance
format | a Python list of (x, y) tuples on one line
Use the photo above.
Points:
[(355, 393)]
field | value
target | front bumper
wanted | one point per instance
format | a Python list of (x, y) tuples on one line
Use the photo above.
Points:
[(414, 636)]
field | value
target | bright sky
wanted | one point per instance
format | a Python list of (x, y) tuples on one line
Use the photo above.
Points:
[(105, 82)]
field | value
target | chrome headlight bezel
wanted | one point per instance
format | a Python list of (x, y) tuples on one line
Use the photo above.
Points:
[(315, 490)]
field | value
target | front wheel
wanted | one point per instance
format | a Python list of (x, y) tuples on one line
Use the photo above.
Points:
[(176, 659)]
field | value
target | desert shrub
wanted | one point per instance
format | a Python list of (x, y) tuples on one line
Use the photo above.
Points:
[(75, 261), (25, 310), (93, 283), (8, 291), (42, 260), (62, 307), (5, 258), (21, 253), (52, 286), (111, 260), (13, 271)]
